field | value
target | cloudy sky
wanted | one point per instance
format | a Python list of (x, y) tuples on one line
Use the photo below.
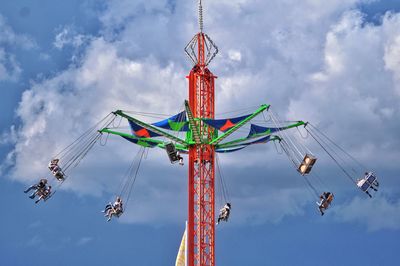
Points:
[(66, 64)]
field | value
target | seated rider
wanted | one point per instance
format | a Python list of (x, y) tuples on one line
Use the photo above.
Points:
[(56, 169), (59, 174), (179, 157), (118, 205), (37, 187), (224, 213), (325, 201), (43, 194), (53, 164), (115, 209)]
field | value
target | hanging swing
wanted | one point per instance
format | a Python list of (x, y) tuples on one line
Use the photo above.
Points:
[(366, 183), (74, 153), (225, 211), (127, 184)]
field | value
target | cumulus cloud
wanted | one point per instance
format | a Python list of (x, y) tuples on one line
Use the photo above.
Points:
[(322, 66), (103, 82), (376, 214), (354, 81), (10, 69), (68, 36), (8, 36)]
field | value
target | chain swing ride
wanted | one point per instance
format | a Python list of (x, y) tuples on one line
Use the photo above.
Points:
[(205, 137)]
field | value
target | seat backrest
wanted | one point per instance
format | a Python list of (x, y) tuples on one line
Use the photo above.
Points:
[(170, 148), (172, 153), (330, 198)]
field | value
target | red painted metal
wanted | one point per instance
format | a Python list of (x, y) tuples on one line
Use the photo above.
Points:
[(201, 214)]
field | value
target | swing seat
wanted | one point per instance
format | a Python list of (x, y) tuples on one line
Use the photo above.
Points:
[(118, 213), (307, 164), (49, 196), (327, 203), (363, 185), (172, 153), (366, 182), (370, 177), (59, 175)]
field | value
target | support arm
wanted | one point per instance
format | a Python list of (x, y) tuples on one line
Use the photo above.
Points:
[(151, 128), (238, 141), (158, 143), (239, 125)]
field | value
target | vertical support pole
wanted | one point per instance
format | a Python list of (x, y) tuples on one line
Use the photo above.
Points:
[(201, 214)]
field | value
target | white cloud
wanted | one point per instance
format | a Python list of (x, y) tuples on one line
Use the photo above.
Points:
[(56, 111), (10, 69), (69, 36), (8, 36), (376, 213), (235, 55), (9, 137), (391, 58), (355, 80), (327, 66), (270, 206)]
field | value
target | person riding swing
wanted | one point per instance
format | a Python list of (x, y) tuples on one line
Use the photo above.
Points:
[(56, 169), (37, 187), (44, 194), (326, 199), (115, 209), (224, 213)]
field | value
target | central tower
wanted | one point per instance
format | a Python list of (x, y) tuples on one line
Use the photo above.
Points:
[(201, 215)]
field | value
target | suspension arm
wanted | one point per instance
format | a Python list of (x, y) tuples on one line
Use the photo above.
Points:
[(239, 125), (151, 128)]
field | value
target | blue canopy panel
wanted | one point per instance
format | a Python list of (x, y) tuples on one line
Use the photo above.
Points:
[(225, 124), (141, 132), (176, 123), (244, 145), (255, 130), (141, 142), (259, 141), (227, 150)]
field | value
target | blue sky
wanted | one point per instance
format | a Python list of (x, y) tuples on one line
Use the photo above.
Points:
[(65, 64)]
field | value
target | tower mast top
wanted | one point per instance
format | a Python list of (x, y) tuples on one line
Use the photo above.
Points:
[(200, 16), (201, 49)]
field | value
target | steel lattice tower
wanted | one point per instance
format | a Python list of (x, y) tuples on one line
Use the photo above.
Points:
[(201, 222)]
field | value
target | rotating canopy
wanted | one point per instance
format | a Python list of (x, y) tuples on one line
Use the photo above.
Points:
[(166, 131)]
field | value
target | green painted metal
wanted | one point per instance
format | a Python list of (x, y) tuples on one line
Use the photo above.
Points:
[(193, 133), (176, 126), (237, 141), (239, 125), (144, 141), (238, 144), (152, 128)]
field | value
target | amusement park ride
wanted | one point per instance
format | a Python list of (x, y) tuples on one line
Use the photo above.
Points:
[(205, 136)]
